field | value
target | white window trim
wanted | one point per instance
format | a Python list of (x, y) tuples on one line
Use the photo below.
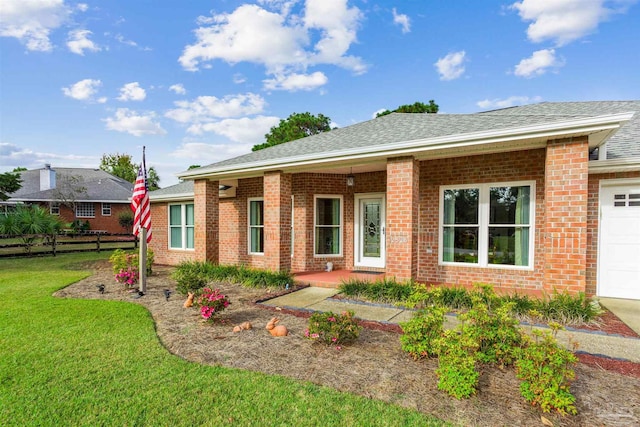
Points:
[(103, 209), (183, 227), (249, 226), (84, 204), (56, 206), (483, 224), (341, 226)]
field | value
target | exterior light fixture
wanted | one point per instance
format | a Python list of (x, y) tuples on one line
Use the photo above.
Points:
[(351, 180)]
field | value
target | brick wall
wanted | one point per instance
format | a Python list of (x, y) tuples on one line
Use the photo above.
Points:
[(160, 241), (206, 218), (277, 221), (593, 225), (108, 223), (502, 167)]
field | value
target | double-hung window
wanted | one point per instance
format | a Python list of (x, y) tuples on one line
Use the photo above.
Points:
[(54, 208), (181, 226), (106, 209), (256, 226), (328, 225), (488, 224)]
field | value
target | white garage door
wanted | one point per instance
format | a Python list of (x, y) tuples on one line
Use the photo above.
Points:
[(619, 252)]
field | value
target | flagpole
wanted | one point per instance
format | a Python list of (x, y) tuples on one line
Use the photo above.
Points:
[(142, 268)]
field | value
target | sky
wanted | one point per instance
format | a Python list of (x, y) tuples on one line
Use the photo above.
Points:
[(196, 82)]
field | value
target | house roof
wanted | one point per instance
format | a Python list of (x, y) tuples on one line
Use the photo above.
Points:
[(424, 135), (100, 186), (181, 190)]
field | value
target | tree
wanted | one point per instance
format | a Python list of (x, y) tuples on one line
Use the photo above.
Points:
[(68, 189), (30, 223), (296, 126), (122, 166), (417, 107), (10, 182)]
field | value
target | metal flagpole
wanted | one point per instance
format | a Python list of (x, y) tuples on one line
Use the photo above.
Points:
[(142, 268)]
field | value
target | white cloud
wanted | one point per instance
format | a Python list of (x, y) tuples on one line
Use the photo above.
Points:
[(451, 66), (294, 82), (13, 156), (247, 130), (375, 113), (538, 64), (84, 90), (132, 92), (507, 102), (178, 89), (82, 7), (120, 38), (78, 42), (402, 20), (129, 121), (321, 33), (31, 21), (204, 153), (210, 108), (239, 78), (564, 21)]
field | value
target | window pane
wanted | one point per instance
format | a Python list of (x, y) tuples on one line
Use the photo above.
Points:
[(256, 212), (175, 215), (460, 244), (327, 211), (509, 205), (176, 237), (257, 240), (190, 214), (327, 240), (509, 245), (461, 206), (190, 238)]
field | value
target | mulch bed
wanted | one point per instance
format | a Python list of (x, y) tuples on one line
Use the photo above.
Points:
[(607, 390)]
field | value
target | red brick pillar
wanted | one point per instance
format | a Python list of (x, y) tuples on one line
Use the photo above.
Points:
[(277, 221), (565, 231), (403, 175), (206, 211)]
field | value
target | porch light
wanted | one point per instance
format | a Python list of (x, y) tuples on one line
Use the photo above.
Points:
[(351, 180)]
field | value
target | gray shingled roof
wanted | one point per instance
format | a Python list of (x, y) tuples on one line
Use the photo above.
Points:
[(181, 188), (100, 186), (624, 143), (398, 128)]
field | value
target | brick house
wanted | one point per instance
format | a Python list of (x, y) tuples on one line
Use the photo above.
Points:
[(86, 195), (531, 198)]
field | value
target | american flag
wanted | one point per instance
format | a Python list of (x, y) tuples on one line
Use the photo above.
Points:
[(140, 203)]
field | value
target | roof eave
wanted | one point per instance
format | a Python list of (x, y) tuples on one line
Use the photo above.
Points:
[(629, 164), (563, 129)]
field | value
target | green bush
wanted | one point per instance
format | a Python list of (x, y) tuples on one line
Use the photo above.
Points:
[(386, 290), (545, 371), (457, 374), (124, 260), (333, 329), (421, 332)]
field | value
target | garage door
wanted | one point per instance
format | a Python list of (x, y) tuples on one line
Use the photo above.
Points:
[(619, 252)]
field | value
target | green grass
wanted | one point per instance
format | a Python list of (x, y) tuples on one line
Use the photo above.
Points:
[(89, 362)]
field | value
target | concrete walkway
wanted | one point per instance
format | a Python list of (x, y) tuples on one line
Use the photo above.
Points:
[(319, 299)]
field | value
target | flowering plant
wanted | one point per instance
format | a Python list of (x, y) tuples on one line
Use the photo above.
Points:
[(333, 329), (211, 301), (128, 276)]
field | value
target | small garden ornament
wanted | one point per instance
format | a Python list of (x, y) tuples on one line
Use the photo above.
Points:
[(244, 326), (189, 302), (277, 330)]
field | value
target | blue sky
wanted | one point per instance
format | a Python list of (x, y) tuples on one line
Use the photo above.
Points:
[(200, 81)]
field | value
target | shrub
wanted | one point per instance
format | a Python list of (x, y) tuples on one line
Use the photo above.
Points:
[(384, 290), (421, 332), (545, 371), (123, 260), (457, 374), (128, 276), (211, 302), (331, 328), (567, 308)]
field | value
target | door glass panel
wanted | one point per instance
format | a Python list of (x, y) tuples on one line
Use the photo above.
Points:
[(371, 229)]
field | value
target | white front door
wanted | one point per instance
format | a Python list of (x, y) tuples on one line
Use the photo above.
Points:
[(369, 230), (619, 248)]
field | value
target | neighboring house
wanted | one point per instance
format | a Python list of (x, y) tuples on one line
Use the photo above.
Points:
[(86, 195), (531, 199)]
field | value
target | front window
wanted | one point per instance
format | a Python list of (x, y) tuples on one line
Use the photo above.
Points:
[(328, 225), (85, 210), (181, 226), (488, 224), (106, 209), (54, 208), (256, 226)]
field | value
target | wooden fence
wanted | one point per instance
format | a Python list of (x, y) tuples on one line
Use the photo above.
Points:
[(37, 244)]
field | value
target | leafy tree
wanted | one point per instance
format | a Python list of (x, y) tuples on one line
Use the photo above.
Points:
[(296, 126), (122, 166), (30, 223), (417, 107), (193, 167), (10, 182)]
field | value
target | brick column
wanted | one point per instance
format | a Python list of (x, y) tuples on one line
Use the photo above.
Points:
[(565, 230), (206, 211), (277, 221), (403, 175)]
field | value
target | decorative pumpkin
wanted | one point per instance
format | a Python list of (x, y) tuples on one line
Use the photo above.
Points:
[(277, 330), (189, 302), (244, 326)]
